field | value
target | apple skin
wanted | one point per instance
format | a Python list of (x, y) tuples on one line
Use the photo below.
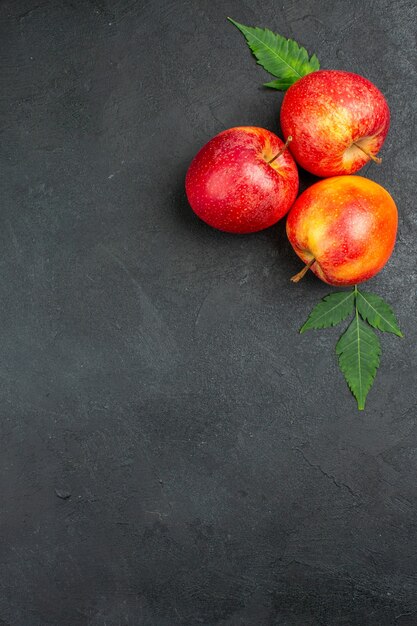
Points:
[(326, 113), (348, 224), (231, 186)]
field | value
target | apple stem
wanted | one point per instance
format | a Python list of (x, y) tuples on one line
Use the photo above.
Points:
[(303, 272), (284, 147), (369, 154)]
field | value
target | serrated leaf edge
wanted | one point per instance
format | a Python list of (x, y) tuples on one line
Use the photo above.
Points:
[(361, 401), (349, 294), (310, 59), (396, 330), (243, 28), (275, 84)]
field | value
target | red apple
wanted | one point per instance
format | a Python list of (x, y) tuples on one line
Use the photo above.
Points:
[(243, 180), (338, 121), (343, 228)]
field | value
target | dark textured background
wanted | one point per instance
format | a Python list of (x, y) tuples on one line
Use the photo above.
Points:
[(172, 451)]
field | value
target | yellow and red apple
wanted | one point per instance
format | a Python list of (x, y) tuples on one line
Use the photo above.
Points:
[(242, 181), (338, 121), (343, 228)]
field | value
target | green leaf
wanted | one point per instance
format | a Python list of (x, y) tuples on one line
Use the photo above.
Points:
[(279, 56), (281, 83), (377, 312), (359, 350), (331, 310)]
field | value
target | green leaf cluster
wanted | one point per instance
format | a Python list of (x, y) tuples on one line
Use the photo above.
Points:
[(358, 348), (283, 58)]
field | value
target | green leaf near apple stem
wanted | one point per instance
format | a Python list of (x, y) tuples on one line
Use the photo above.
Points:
[(333, 309), (283, 58), (359, 351), (377, 312), (281, 84), (358, 348)]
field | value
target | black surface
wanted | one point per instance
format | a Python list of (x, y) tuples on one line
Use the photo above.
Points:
[(172, 451)]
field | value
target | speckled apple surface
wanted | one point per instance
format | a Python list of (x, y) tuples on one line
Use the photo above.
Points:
[(232, 186), (348, 224), (333, 116), (211, 464)]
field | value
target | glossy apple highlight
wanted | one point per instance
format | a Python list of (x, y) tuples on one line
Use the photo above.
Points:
[(338, 122), (242, 181), (344, 229)]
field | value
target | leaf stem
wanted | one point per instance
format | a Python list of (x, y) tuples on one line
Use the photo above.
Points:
[(359, 398), (284, 147), (297, 277)]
